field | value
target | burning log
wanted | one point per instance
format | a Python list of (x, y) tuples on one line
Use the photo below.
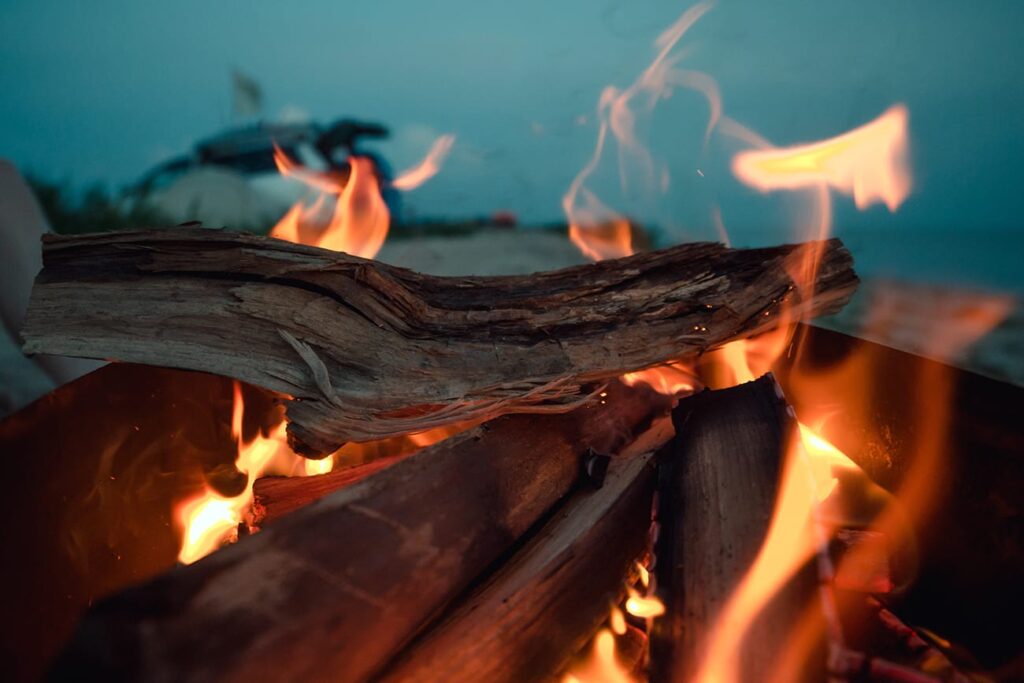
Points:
[(368, 351), (334, 590), (543, 604), (275, 497), (717, 496)]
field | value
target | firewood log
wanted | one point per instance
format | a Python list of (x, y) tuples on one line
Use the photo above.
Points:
[(275, 497), (543, 604), (717, 494), (368, 351), (333, 591)]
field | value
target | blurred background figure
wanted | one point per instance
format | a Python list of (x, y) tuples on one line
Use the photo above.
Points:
[(22, 225)]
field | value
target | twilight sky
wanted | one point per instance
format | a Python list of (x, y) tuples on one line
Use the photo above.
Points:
[(102, 90)]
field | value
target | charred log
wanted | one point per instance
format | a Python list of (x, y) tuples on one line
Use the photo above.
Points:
[(543, 604), (275, 497), (367, 351), (334, 590), (717, 495)]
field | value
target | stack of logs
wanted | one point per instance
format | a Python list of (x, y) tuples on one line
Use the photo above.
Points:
[(493, 555)]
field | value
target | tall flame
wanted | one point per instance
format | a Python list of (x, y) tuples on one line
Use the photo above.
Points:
[(209, 518), (808, 478), (598, 231), (868, 163), (360, 220)]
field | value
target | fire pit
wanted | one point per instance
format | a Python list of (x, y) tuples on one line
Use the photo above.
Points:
[(305, 464)]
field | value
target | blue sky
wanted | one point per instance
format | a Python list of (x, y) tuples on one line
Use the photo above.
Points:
[(100, 91)]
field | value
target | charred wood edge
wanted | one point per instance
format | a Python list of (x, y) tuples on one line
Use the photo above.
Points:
[(716, 494), (334, 590), (275, 497), (311, 324), (545, 599)]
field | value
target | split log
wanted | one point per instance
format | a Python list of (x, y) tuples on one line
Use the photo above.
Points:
[(333, 591), (368, 351), (717, 494), (542, 605), (275, 497)]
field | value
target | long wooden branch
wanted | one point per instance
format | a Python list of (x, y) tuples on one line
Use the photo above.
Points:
[(368, 351), (334, 590)]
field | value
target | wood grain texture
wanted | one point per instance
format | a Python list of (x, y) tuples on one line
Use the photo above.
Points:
[(367, 351), (717, 496), (275, 497), (542, 606), (334, 590)]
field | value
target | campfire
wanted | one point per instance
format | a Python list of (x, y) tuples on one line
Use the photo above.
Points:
[(647, 467)]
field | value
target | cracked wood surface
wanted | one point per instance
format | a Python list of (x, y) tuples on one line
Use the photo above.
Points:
[(367, 351), (541, 607), (334, 590)]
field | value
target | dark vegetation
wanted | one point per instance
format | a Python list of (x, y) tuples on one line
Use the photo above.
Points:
[(97, 209), (94, 210)]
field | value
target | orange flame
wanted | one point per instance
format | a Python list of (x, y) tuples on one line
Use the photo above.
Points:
[(868, 162), (644, 606), (209, 519), (807, 479), (428, 168), (598, 231), (602, 666), (360, 221), (672, 379)]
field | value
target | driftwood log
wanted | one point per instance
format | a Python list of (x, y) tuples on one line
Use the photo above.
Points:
[(333, 591), (546, 601), (369, 351), (717, 494)]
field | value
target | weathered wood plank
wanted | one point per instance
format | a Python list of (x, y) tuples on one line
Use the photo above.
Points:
[(369, 351)]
